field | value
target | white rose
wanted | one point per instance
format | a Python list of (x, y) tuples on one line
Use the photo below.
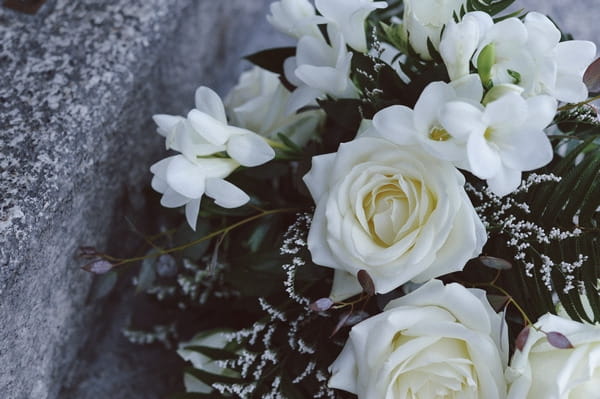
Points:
[(211, 339), (436, 342), (392, 210), (542, 370), (258, 102), (424, 20)]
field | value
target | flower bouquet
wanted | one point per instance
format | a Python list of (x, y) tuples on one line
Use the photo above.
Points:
[(403, 205)]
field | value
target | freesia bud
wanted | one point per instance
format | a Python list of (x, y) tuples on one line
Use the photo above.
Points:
[(485, 62)]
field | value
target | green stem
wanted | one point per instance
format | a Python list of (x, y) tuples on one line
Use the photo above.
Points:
[(571, 106), (511, 300), (223, 231)]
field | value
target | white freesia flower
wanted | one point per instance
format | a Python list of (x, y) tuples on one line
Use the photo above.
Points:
[(460, 41), (541, 370), (209, 121), (496, 142), (319, 69), (295, 18), (184, 179), (527, 53), (184, 182), (258, 102), (425, 19), (349, 16), (436, 342), (394, 211), (559, 66), (425, 125), (504, 139), (211, 339)]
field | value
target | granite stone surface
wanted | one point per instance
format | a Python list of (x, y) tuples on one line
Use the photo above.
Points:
[(79, 81)]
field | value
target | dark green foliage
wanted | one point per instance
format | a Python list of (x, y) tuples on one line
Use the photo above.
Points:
[(272, 59), (492, 7), (192, 395)]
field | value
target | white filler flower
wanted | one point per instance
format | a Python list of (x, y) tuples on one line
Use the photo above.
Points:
[(541, 370), (394, 211), (436, 342)]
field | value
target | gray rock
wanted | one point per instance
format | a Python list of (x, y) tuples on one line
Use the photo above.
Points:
[(79, 82)]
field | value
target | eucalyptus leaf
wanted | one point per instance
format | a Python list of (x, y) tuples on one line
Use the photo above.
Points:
[(559, 340), (213, 353)]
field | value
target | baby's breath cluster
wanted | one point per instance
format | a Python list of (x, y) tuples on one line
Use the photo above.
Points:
[(294, 241), (510, 216), (281, 334)]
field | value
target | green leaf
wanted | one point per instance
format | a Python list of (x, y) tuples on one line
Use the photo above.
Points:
[(257, 237), (344, 112), (492, 7), (272, 59), (213, 353), (209, 378), (185, 235), (289, 143), (515, 75)]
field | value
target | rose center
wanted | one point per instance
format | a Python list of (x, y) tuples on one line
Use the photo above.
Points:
[(395, 208), (442, 370)]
